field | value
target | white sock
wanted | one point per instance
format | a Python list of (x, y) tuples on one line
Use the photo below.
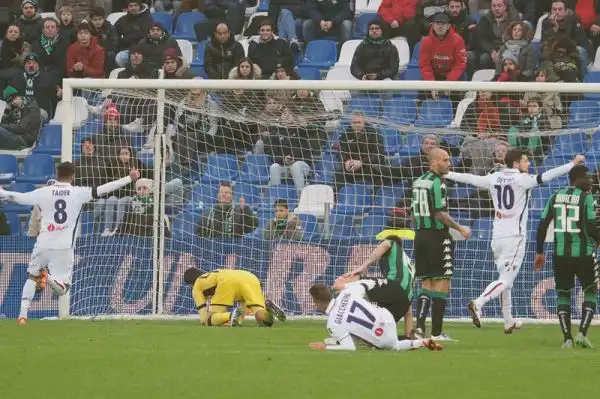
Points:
[(408, 344), (493, 290), (27, 297), (58, 287), (506, 300)]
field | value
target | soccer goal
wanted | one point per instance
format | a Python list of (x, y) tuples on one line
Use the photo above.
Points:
[(293, 179)]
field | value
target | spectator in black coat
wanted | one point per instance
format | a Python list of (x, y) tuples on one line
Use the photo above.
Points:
[(231, 11), (153, 46), (131, 28), (465, 26), (67, 29), (106, 36), (51, 49), (30, 21), (91, 169), (20, 125), (286, 13), (267, 51), (327, 18), (376, 58), (139, 217), (490, 30), (222, 53), (136, 68), (12, 52), (37, 85)]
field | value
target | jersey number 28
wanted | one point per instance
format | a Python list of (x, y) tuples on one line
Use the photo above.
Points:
[(60, 214), (364, 318)]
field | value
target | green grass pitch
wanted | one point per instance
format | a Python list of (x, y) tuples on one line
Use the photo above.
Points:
[(144, 359)]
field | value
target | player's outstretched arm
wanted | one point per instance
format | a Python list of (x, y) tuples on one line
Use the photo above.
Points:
[(374, 257), (468, 178), (555, 172), (117, 184), (31, 198), (345, 343)]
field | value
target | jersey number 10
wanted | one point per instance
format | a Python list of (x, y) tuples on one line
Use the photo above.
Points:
[(505, 196)]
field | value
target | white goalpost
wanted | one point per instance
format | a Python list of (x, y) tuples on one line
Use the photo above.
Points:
[(222, 159)]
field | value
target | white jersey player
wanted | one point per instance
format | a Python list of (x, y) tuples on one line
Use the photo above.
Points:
[(350, 316), (509, 190), (60, 206)]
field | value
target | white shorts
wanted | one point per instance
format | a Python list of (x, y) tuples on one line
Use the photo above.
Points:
[(509, 253), (58, 261), (385, 332)]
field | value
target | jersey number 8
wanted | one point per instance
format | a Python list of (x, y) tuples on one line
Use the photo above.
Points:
[(60, 216)]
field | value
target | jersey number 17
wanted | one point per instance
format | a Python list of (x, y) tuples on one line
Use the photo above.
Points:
[(360, 315)]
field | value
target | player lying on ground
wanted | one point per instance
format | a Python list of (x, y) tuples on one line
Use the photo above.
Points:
[(60, 205), (394, 291), (350, 316), (230, 288), (576, 237), (509, 190)]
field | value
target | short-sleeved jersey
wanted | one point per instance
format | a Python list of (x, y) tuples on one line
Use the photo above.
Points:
[(572, 211), (206, 285), (429, 196), (396, 265), (509, 190), (351, 315), (60, 207)]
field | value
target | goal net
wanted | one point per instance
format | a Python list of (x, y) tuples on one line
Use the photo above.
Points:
[(292, 180)]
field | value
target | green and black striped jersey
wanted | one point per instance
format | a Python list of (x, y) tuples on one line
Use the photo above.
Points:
[(429, 196), (396, 265), (573, 212)]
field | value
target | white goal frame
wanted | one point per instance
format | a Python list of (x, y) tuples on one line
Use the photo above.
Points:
[(160, 85)]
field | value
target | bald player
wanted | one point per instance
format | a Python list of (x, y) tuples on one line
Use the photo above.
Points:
[(434, 246)]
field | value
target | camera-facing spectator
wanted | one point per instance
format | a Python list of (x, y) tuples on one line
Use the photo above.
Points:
[(91, 169), (154, 45), (80, 10), (417, 165), (174, 66), (51, 49), (376, 58), (13, 50), (136, 68), (284, 225), (227, 219), (246, 69), (67, 29), (550, 102), (490, 30), (328, 18), (20, 124), (526, 134), (560, 58), (517, 40), (267, 51), (30, 21), (400, 16), (106, 36), (139, 216), (463, 24), (477, 152), (131, 28), (222, 53), (286, 13), (85, 58)]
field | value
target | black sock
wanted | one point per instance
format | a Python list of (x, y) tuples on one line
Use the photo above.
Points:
[(438, 309), (564, 318), (587, 314), (423, 303)]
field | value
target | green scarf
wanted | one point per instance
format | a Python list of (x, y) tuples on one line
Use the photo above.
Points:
[(48, 44), (369, 39)]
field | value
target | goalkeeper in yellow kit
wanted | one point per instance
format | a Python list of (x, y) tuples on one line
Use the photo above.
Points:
[(217, 291)]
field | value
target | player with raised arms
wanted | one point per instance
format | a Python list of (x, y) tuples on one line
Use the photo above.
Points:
[(434, 246), (351, 316), (509, 189), (60, 206), (572, 212), (217, 291)]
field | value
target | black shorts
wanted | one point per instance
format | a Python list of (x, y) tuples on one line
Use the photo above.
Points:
[(434, 254), (390, 295), (566, 268)]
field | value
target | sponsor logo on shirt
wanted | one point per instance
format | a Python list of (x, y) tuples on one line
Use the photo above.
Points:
[(52, 228)]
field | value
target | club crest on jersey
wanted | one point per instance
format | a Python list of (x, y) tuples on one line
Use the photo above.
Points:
[(378, 332)]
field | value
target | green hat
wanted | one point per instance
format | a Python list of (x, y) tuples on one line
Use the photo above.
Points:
[(9, 92)]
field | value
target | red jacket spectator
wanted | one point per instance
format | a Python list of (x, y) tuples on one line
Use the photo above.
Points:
[(85, 60), (442, 57), (397, 10)]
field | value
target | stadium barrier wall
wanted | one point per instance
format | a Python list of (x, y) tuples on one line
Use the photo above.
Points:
[(116, 275)]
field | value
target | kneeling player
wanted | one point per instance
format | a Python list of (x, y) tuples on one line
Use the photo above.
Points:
[(351, 316), (576, 236), (226, 288)]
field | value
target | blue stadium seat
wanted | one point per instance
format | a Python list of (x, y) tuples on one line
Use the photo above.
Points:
[(412, 144), (370, 106), (14, 222), (9, 168), (86, 223), (400, 110), (434, 113), (185, 25), (372, 225), (482, 229), (203, 197), (553, 161), (165, 19), (50, 140), (595, 146), (342, 226), (476, 16), (250, 192), (387, 197), (220, 168), (414, 58), (460, 192), (19, 188), (37, 169), (569, 144), (392, 140), (263, 6), (584, 113), (309, 73), (319, 54), (361, 25), (147, 159), (309, 225), (454, 140), (255, 169), (324, 172), (184, 225), (592, 77), (282, 191), (198, 60), (354, 199), (409, 74)]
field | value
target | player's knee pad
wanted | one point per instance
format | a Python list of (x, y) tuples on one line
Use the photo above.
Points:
[(563, 297), (590, 294)]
